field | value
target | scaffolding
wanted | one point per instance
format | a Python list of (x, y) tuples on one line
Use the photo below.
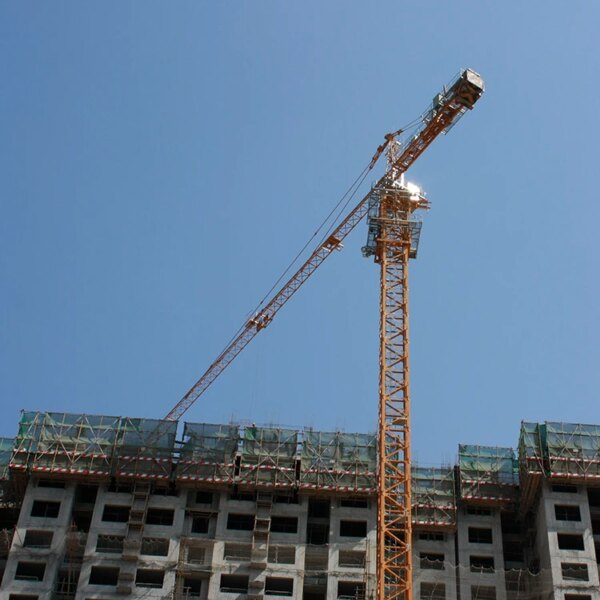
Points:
[(92, 445), (567, 452), (339, 461), (208, 453), (488, 474), (434, 501), (268, 457)]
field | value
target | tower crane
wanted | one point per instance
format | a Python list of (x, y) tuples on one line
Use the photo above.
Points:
[(393, 235)]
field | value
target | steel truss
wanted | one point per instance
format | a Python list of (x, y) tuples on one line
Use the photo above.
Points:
[(394, 557)]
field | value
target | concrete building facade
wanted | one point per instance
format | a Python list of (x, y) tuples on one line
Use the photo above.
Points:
[(89, 512)]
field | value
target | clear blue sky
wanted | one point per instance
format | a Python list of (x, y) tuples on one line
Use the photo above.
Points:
[(160, 164)]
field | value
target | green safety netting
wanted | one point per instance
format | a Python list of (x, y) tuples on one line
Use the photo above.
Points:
[(205, 441), (340, 448), (433, 495), (488, 463), (6, 448), (433, 482), (529, 440), (269, 442), (573, 440), (67, 433)]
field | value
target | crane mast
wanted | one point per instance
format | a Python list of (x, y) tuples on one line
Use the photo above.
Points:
[(393, 240)]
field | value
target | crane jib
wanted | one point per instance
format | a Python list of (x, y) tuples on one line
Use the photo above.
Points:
[(446, 109)]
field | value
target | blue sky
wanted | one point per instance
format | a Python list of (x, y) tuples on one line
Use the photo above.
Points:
[(160, 165)]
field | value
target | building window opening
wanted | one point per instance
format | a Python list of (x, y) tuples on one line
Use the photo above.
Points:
[(354, 503), (317, 534), (594, 496), (574, 571), (282, 555), (350, 590), (45, 509), (86, 494), (82, 519), (318, 508), (431, 560), (240, 522), (234, 584), (290, 498), (352, 558), (578, 597), (30, 571), (565, 512), (481, 564), (242, 496), (120, 487), (160, 516), (279, 586), (432, 591), (480, 535), (237, 552), (314, 592), (155, 546), (563, 488), (149, 578), (431, 536), (38, 539), (570, 541), (196, 555), (480, 511), (483, 592), (110, 544), (192, 586), (115, 514), (163, 490), (284, 525), (203, 497), (201, 523), (104, 576), (66, 584), (51, 483), (353, 529)]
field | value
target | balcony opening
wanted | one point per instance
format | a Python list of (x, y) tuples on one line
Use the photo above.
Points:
[(104, 576), (480, 535), (570, 541), (110, 544), (115, 514), (565, 512), (234, 584), (432, 591), (149, 578), (481, 564), (284, 524), (160, 516), (279, 586), (431, 560), (155, 546), (45, 509), (38, 539), (30, 571), (356, 529), (240, 522)]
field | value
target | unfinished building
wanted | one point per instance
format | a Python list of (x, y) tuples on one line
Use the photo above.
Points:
[(90, 511)]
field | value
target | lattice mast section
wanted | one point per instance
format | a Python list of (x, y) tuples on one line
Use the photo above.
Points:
[(393, 239)]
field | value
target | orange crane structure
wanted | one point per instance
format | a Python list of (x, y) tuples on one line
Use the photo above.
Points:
[(393, 235)]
